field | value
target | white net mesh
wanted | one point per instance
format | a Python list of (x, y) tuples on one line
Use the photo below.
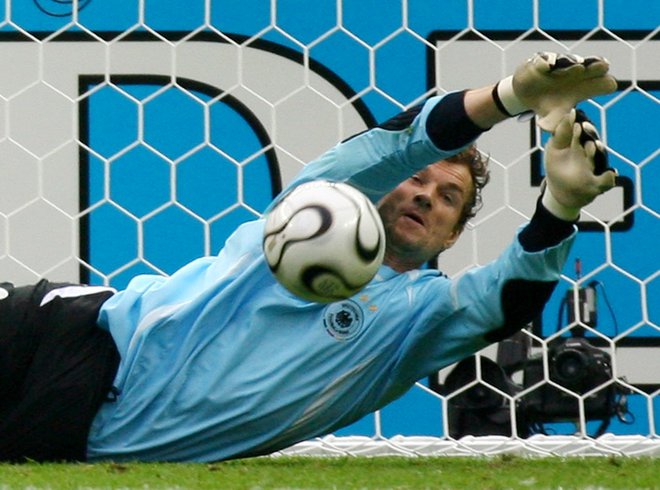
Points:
[(128, 128)]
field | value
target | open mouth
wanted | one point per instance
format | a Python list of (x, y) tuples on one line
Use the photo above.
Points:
[(415, 217)]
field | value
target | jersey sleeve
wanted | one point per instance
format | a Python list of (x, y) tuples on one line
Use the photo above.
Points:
[(456, 318), (377, 160)]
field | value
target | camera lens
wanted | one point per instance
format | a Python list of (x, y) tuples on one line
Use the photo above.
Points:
[(570, 367)]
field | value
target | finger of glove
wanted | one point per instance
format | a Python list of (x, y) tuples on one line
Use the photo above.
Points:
[(597, 154), (550, 121), (541, 62), (589, 149), (601, 159), (568, 70), (596, 65), (567, 61), (590, 134), (605, 181), (589, 146), (596, 86), (582, 118), (563, 133)]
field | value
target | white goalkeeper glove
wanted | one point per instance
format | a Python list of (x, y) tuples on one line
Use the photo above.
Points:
[(576, 167), (550, 84)]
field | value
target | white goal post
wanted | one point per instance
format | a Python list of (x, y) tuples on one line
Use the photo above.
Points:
[(120, 133)]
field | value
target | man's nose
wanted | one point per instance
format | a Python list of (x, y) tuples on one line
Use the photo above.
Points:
[(423, 200)]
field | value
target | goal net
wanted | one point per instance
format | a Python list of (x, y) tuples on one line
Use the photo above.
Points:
[(135, 136)]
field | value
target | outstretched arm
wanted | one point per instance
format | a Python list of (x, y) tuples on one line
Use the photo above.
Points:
[(378, 159), (548, 84), (490, 303), (576, 173)]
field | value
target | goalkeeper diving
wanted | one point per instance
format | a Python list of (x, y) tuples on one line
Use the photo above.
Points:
[(219, 361)]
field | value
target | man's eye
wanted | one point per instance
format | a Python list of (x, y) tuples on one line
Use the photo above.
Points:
[(416, 179)]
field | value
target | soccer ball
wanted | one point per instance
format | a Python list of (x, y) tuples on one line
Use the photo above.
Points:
[(324, 241)]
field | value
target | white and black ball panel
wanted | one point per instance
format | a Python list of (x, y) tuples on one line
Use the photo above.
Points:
[(324, 241), (368, 230), (294, 226), (326, 284)]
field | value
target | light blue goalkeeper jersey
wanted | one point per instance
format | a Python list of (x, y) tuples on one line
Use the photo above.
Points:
[(219, 361)]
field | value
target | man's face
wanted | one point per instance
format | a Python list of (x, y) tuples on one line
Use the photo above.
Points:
[(421, 214)]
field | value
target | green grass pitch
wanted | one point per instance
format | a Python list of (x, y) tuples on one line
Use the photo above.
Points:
[(500, 472)]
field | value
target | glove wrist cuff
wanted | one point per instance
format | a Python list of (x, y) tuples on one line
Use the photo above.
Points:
[(558, 209), (506, 99)]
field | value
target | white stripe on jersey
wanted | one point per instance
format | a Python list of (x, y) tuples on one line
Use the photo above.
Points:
[(151, 318), (73, 292)]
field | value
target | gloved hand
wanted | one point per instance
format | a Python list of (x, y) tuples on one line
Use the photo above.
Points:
[(576, 167), (550, 84)]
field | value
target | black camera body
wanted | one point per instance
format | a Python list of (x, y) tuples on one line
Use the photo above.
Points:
[(577, 366), (580, 376), (577, 369)]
